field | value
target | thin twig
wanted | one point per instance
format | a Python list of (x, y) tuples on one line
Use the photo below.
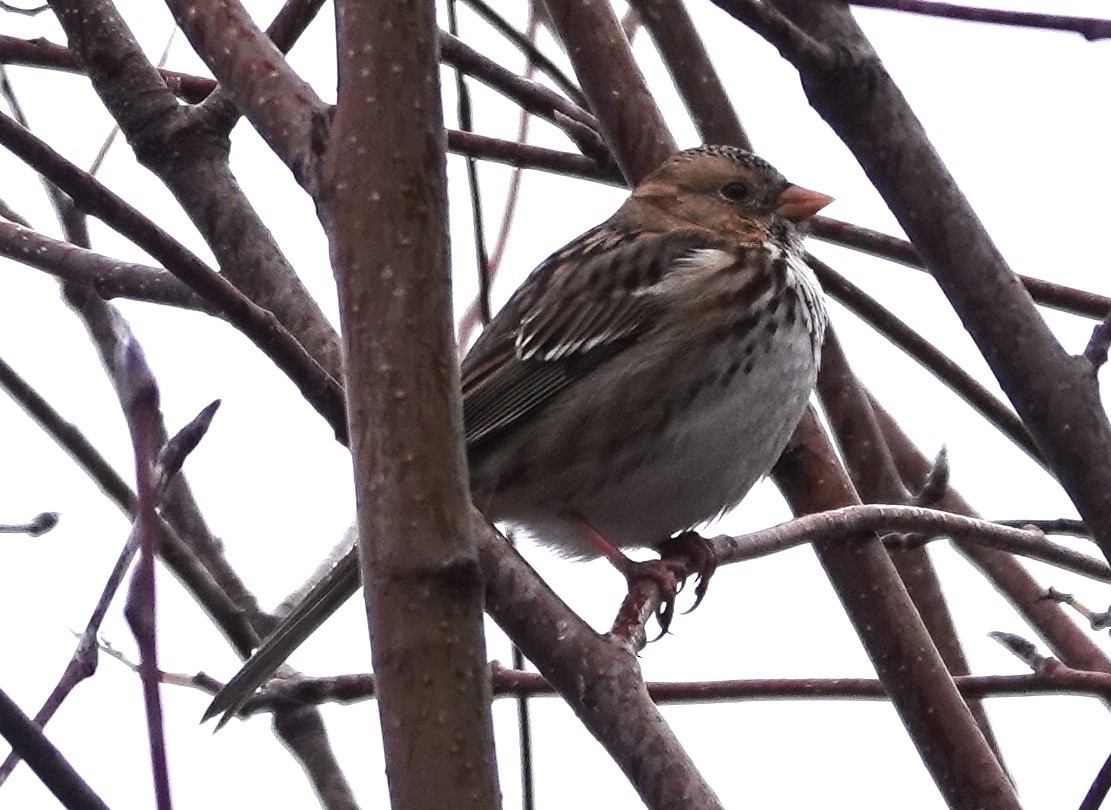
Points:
[(884, 246), (507, 683), (139, 397), (1065, 526), (67, 435), (34, 11), (1091, 28), (527, 46), (927, 355), (39, 525), (466, 124), (1093, 799), (314, 383), (1097, 619), (109, 277), (850, 520), (45, 760), (470, 319)]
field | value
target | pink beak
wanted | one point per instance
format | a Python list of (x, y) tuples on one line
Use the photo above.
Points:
[(797, 203)]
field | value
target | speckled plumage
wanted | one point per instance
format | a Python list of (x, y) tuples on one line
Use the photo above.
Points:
[(646, 375), (641, 379)]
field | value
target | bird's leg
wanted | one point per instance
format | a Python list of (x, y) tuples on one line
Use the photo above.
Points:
[(668, 574)]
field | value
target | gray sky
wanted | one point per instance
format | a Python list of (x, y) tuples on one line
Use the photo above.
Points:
[(1018, 117)]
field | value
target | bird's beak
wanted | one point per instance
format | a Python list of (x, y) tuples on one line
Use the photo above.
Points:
[(797, 203)]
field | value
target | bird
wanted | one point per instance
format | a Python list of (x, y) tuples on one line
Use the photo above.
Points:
[(637, 384)]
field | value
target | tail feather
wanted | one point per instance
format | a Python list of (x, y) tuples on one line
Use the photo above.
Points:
[(322, 600)]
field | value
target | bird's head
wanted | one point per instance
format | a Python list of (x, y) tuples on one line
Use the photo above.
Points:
[(722, 189)]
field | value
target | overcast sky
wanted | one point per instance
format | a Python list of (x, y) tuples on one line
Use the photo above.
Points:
[(1019, 116)]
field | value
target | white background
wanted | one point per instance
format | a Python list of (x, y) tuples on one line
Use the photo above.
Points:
[(1019, 117)]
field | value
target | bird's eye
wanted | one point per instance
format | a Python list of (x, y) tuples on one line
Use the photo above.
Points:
[(734, 192)]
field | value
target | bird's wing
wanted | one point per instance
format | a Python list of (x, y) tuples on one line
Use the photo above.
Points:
[(578, 308)]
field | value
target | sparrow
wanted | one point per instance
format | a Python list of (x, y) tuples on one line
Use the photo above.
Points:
[(640, 381)]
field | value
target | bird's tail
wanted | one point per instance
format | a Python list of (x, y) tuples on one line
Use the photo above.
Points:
[(324, 598)]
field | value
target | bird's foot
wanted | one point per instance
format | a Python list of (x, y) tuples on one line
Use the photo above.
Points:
[(696, 555), (681, 556), (667, 575)]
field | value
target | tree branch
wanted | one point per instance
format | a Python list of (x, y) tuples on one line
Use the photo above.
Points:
[(383, 196), (1091, 28), (1053, 392)]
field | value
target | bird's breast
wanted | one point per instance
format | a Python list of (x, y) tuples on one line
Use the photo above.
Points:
[(668, 434)]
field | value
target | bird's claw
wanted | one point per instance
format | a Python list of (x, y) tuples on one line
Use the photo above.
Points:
[(681, 556), (667, 576), (703, 562)]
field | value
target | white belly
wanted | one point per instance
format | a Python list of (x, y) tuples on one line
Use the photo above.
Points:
[(709, 456)]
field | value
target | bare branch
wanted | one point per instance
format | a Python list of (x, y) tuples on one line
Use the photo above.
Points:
[(315, 384), (928, 356), (139, 397), (699, 85), (870, 463), (109, 277), (347, 689), (616, 708), (613, 83), (1093, 799), (39, 525), (1091, 28), (385, 212), (45, 760), (526, 46), (283, 108), (1067, 641), (900, 647), (1055, 396), (530, 157), (874, 243), (840, 525)]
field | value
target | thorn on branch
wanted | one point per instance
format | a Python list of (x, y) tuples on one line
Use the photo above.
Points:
[(904, 541), (631, 24), (1024, 651), (936, 483), (1096, 350), (177, 449)]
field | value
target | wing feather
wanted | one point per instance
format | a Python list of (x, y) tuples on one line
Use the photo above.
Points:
[(576, 310)]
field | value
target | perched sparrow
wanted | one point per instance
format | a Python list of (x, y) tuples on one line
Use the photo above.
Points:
[(640, 381)]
